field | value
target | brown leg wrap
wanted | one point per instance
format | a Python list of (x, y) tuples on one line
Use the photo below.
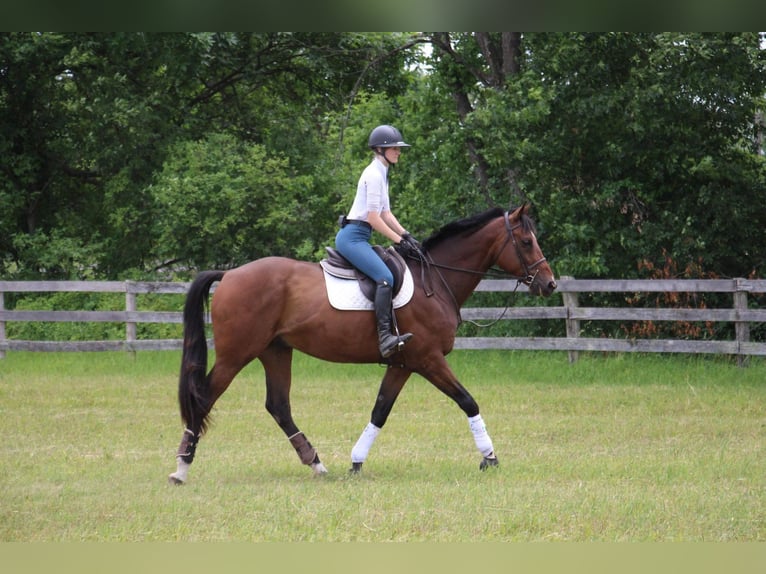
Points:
[(188, 446), (302, 446)]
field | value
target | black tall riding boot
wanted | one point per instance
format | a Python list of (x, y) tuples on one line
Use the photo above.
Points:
[(389, 342)]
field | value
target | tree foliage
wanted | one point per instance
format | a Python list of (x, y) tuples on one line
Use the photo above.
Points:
[(627, 144), (220, 201), (129, 154)]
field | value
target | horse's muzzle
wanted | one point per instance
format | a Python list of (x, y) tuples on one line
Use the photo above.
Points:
[(539, 286)]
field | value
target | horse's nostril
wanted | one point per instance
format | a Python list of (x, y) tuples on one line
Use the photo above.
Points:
[(552, 285)]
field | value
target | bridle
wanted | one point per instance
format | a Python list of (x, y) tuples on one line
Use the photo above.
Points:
[(528, 276), (527, 279)]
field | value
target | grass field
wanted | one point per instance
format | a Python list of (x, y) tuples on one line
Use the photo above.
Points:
[(619, 448)]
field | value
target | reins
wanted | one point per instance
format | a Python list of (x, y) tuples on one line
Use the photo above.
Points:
[(427, 262)]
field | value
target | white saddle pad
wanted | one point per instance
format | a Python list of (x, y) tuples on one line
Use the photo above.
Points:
[(345, 294)]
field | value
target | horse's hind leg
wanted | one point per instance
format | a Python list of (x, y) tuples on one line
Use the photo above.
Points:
[(277, 365), (217, 381), (184, 457)]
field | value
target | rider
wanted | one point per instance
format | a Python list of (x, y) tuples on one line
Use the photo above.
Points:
[(371, 210)]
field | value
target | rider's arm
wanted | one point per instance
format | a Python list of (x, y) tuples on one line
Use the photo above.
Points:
[(386, 224), (392, 222)]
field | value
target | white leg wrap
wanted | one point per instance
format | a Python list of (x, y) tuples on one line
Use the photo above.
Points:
[(479, 430), (362, 447), (182, 471)]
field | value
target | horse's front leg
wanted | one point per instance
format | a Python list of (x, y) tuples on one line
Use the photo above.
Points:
[(390, 387), (441, 376), (277, 364)]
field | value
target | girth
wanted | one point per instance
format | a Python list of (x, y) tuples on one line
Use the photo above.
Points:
[(338, 266)]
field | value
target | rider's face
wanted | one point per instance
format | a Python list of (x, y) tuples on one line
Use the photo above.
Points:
[(392, 154)]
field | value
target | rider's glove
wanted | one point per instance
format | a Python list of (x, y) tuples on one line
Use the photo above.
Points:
[(409, 247), (411, 240)]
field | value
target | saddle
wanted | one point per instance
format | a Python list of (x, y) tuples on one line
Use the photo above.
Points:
[(338, 266)]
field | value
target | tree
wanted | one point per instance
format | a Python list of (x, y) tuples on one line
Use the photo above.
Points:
[(85, 118), (630, 146), (649, 143), (88, 120), (222, 203)]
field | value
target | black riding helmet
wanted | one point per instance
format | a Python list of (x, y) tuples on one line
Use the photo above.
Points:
[(386, 136)]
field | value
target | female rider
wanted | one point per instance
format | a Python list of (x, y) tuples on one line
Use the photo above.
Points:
[(370, 211)]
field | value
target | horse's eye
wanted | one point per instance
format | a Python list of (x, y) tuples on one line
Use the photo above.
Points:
[(526, 242)]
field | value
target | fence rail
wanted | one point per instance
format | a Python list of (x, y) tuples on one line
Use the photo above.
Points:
[(570, 312)]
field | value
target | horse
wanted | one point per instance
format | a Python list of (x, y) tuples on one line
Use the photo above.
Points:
[(271, 306)]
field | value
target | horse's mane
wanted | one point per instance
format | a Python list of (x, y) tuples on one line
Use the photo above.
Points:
[(471, 224)]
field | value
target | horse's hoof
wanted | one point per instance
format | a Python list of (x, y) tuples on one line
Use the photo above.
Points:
[(172, 479), (488, 462), (319, 469), (356, 468)]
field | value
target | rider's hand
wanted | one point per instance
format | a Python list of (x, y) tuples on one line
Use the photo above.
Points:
[(409, 246), (412, 241)]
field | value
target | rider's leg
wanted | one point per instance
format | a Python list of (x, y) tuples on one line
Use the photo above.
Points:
[(353, 243), (388, 342)]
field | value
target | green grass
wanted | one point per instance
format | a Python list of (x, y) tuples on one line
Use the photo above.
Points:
[(619, 448)]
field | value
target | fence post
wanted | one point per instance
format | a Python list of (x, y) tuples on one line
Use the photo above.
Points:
[(573, 325), (2, 325), (741, 328), (130, 326)]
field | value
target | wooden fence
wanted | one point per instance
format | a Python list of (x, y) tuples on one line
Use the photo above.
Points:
[(570, 312)]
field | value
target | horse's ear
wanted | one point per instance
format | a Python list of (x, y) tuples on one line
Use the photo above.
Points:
[(519, 211)]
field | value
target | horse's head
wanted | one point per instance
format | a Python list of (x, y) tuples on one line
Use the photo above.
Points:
[(520, 254)]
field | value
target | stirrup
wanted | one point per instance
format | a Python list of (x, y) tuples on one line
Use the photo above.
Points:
[(396, 347)]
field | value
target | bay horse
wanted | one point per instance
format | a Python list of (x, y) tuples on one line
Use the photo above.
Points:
[(267, 308)]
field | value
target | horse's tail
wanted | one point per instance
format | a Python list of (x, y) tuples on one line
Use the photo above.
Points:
[(193, 383)]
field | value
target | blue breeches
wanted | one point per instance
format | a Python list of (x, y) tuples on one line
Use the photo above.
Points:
[(353, 242)]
